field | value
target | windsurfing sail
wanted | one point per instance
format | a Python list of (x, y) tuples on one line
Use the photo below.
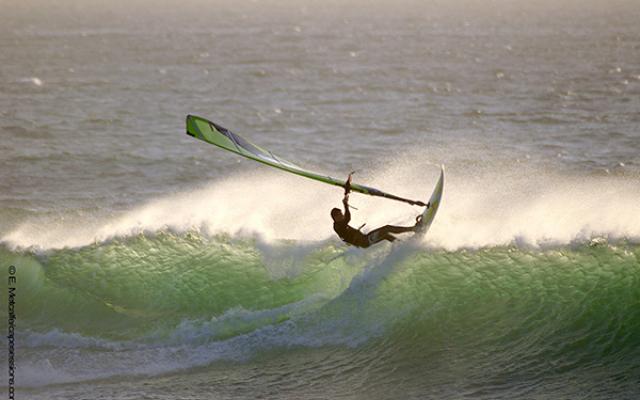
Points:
[(213, 133)]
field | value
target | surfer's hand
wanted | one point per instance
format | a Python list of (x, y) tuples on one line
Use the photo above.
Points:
[(347, 184)]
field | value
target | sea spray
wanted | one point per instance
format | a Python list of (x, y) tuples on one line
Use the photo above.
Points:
[(484, 206)]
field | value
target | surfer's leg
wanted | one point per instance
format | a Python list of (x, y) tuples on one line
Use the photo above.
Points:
[(390, 237), (394, 229), (385, 233)]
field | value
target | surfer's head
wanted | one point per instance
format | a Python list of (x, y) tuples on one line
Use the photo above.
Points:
[(336, 214)]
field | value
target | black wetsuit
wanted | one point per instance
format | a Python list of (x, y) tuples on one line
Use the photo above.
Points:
[(347, 233), (351, 235), (359, 239)]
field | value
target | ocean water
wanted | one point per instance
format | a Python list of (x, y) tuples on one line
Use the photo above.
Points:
[(152, 265)]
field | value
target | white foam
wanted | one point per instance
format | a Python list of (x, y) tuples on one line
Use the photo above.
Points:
[(33, 80), (535, 210), (70, 357), (480, 208)]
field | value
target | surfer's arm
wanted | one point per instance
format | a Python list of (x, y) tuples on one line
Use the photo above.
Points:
[(347, 184), (347, 214)]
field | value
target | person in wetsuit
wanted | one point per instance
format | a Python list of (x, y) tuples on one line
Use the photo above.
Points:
[(354, 236)]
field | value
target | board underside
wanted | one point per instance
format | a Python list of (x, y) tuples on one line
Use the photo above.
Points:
[(434, 201)]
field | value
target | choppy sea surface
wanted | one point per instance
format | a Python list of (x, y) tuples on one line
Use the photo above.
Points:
[(152, 265)]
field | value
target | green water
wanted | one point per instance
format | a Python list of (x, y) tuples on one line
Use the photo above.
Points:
[(497, 321)]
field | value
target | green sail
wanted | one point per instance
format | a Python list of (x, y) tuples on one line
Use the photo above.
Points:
[(213, 133)]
